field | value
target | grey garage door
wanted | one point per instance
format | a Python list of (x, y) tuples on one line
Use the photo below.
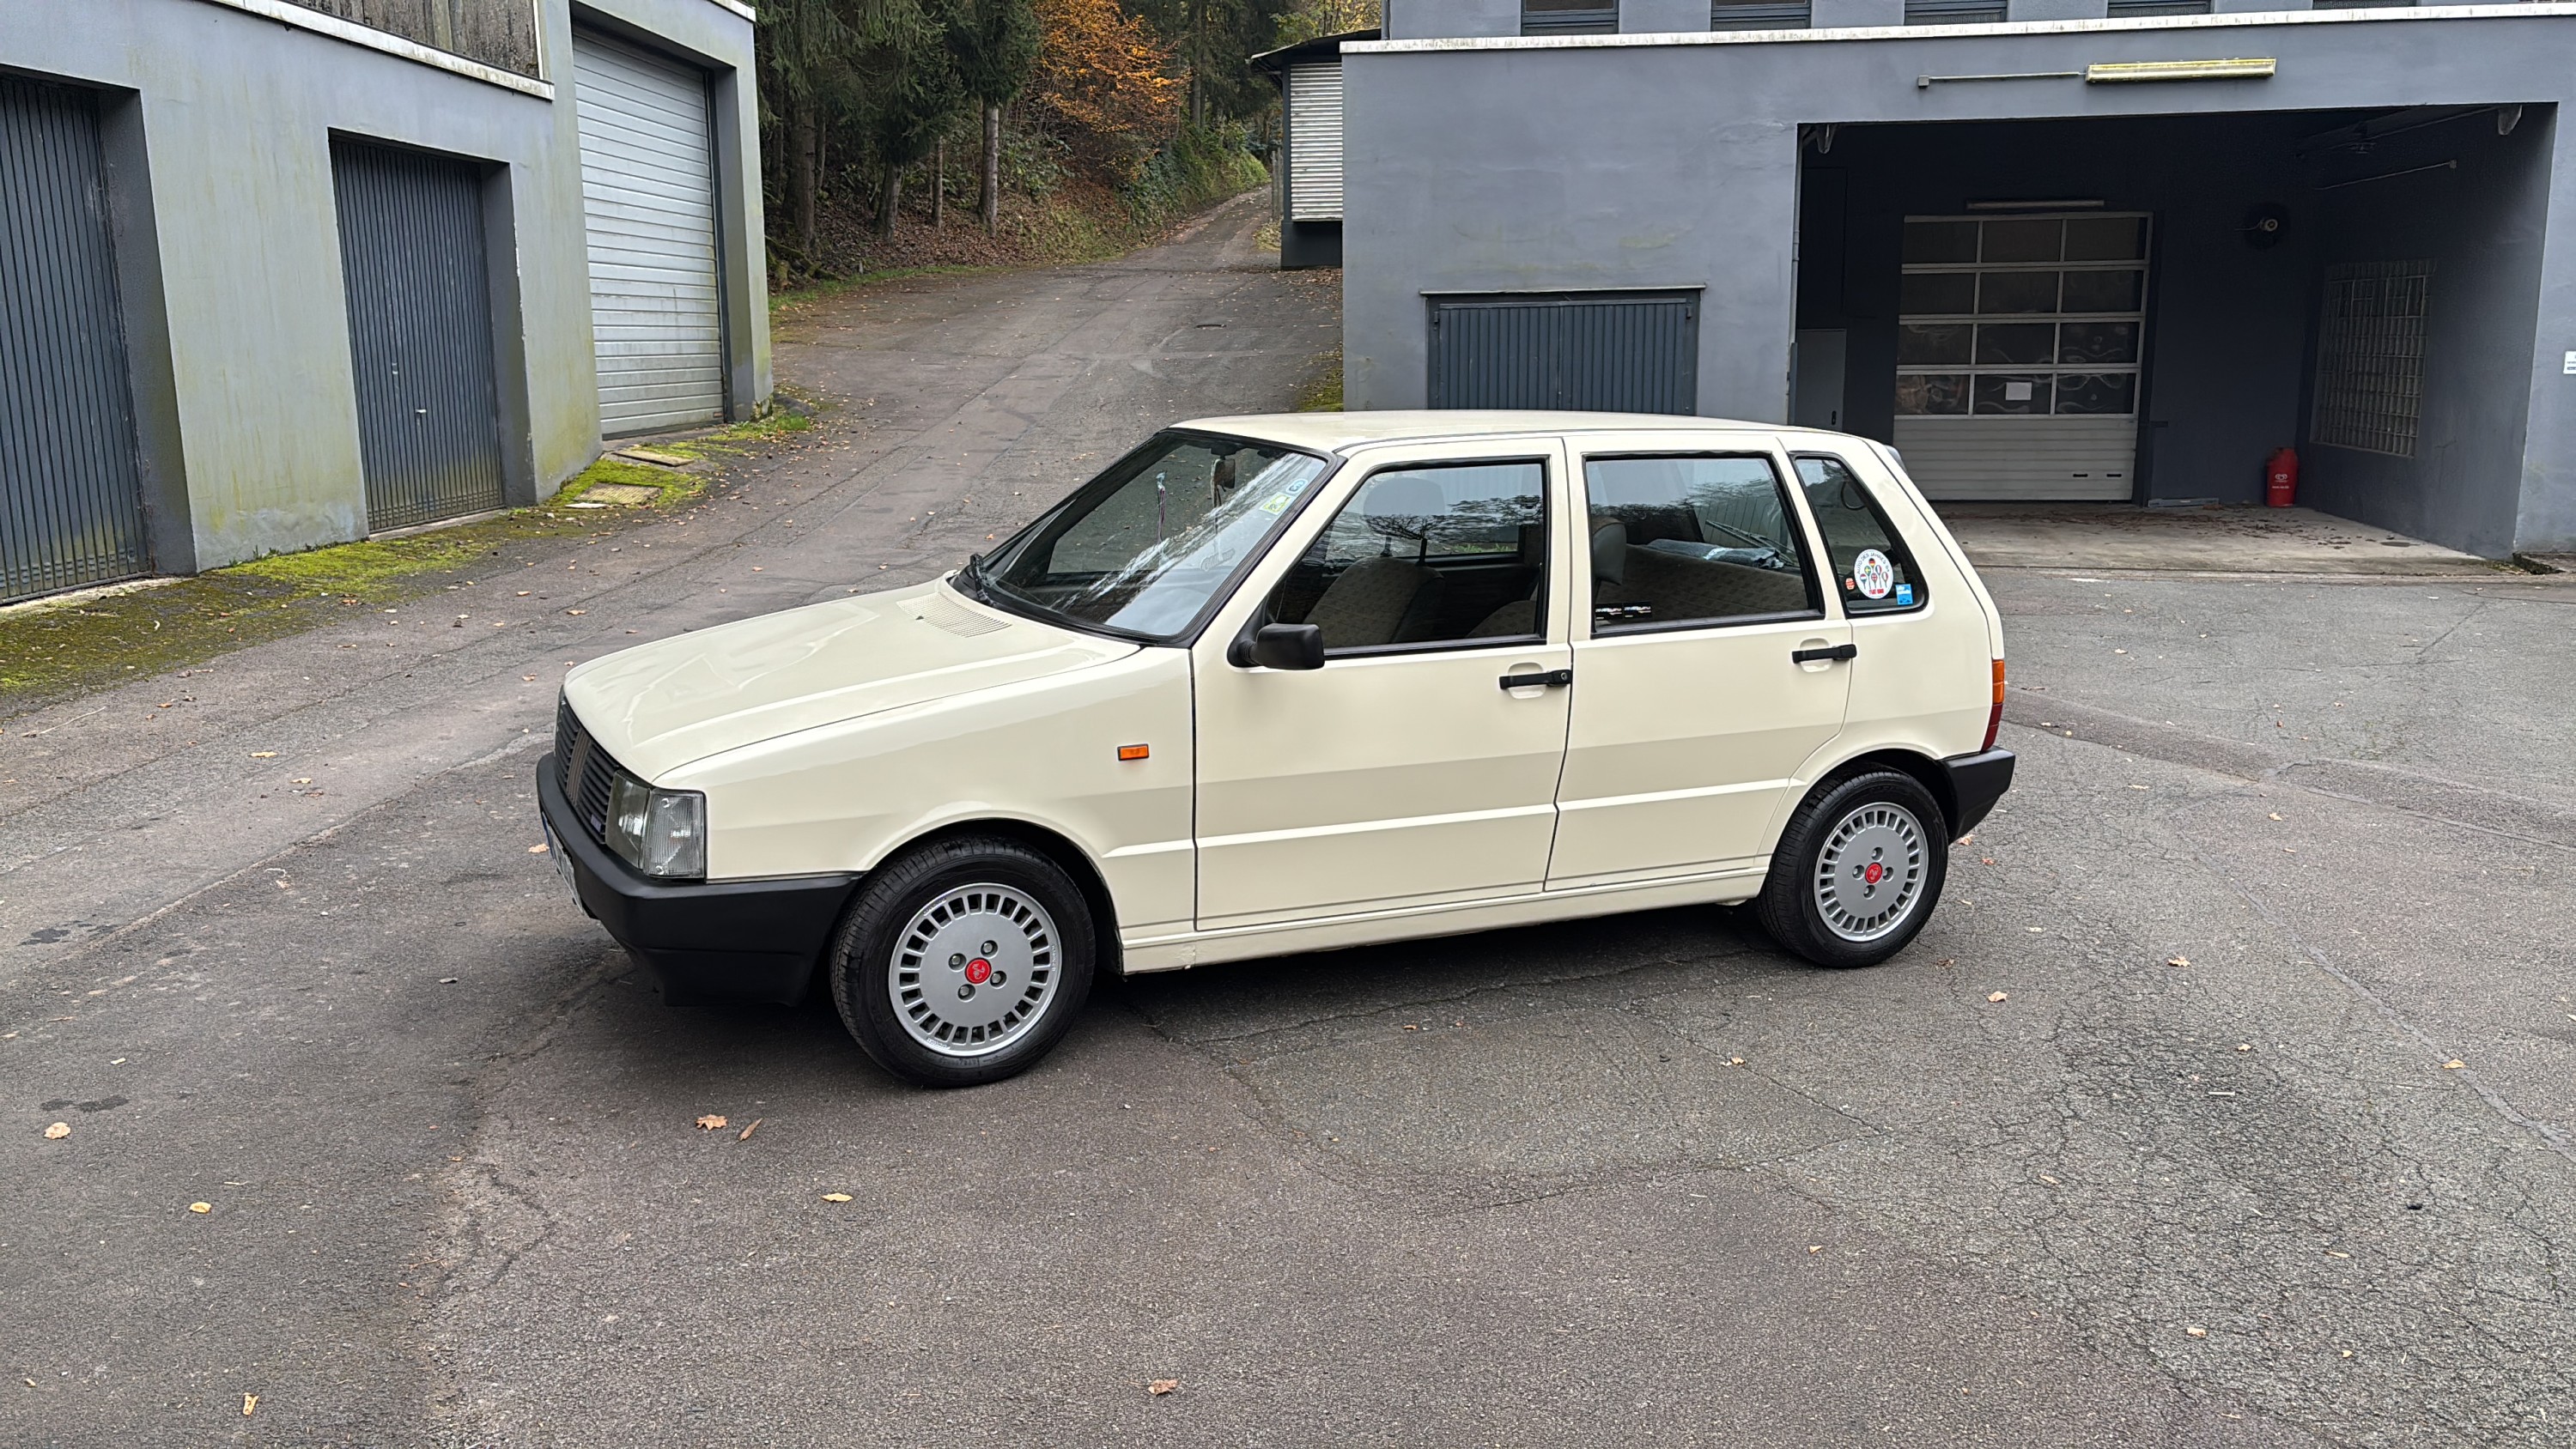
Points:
[(420, 332), (71, 509), (648, 186), (1627, 352)]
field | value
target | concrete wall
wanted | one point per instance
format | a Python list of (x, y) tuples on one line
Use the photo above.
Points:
[(2481, 223), (1664, 161), (219, 125)]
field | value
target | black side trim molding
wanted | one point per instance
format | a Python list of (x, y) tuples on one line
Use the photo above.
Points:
[(726, 940), (1976, 783)]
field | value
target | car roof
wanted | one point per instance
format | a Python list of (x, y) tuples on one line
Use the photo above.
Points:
[(1339, 432)]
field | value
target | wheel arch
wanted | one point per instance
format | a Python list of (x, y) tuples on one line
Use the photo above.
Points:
[(1924, 769), (1059, 849)]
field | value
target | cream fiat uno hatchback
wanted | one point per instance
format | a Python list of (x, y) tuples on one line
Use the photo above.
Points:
[(1274, 684)]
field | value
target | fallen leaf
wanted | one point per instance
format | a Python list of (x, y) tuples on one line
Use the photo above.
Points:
[(2044, 1177), (2276, 817), (307, 780), (58, 1132), (2197, 1331), (1160, 1387), (2177, 960), (2347, 1353), (754, 1127), (836, 1197), (576, 611), (446, 980), (711, 1121), (2245, 1046), (1986, 860), (536, 849), (2137, 787), (201, 1207), (249, 1402), (2331, 1253), (2453, 1065), (1735, 1061), (263, 754), (1816, 1248), (1997, 996), (1968, 839)]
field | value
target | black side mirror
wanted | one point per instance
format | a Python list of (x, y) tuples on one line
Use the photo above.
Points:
[(1289, 646)]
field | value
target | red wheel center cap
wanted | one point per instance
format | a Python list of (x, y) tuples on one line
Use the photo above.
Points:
[(1875, 873), (979, 970)]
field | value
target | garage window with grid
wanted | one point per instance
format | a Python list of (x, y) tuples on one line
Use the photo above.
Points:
[(2370, 356), (2018, 347)]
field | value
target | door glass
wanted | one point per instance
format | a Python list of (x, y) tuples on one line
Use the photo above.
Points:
[(1685, 540), (1873, 571), (1428, 555)]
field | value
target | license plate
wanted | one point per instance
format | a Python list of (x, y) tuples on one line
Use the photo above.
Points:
[(563, 862)]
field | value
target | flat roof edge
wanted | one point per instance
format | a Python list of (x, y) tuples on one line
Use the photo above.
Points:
[(2500, 10)]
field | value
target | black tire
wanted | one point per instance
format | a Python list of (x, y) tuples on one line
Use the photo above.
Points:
[(1789, 907), (1001, 879)]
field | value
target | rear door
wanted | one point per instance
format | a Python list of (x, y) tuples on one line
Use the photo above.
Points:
[(1404, 772), (1708, 665)]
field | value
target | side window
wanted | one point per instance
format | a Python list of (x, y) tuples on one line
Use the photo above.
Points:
[(1872, 568), (1692, 540), (1429, 555)]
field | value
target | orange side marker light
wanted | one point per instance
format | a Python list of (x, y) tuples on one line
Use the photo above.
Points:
[(1134, 752)]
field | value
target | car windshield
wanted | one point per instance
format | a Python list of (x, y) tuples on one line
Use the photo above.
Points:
[(1144, 548)]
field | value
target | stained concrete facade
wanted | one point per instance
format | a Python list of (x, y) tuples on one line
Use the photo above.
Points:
[(1772, 171), (218, 118)]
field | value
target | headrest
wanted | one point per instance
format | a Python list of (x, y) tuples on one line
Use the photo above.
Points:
[(1609, 551), (1406, 499)]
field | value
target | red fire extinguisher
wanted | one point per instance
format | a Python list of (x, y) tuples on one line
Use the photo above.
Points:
[(2281, 478)]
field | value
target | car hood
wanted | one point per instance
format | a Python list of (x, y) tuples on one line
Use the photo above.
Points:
[(662, 705)]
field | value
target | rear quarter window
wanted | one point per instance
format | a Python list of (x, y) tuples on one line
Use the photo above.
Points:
[(1873, 571)]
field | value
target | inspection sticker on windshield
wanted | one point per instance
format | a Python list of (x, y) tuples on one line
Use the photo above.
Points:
[(1875, 575)]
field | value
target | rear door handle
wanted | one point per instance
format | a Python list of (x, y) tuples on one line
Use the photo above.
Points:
[(1552, 679), (1835, 651)]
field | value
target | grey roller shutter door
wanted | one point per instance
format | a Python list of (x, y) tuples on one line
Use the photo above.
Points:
[(1315, 142), (71, 510), (1627, 352), (420, 332), (648, 185)]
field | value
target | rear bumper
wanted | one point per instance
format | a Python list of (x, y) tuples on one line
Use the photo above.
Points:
[(1976, 783), (731, 940)]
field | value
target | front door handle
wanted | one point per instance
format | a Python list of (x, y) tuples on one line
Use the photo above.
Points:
[(1552, 679), (1822, 652)]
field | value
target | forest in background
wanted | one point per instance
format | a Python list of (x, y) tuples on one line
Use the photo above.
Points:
[(901, 133)]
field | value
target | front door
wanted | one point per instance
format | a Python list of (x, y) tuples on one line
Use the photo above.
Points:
[(1708, 671), (1404, 772)]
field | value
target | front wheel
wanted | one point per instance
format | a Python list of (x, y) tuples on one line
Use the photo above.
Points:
[(1857, 871), (963, 962)]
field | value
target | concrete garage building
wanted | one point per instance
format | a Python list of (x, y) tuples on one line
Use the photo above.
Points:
[(282, 273), (2050, 249)]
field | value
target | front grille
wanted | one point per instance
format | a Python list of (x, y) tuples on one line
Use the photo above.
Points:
[(583, 770)]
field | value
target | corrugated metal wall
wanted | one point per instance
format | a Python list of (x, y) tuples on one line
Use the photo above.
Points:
[(1315, 142), (648, 187), (1628, 352), (420, 332), (71, 503)]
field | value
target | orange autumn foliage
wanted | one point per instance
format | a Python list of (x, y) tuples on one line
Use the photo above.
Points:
[(1104, 85)]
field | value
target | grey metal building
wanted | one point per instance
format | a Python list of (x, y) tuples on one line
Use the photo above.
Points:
[(2050, 249), (282, 273)]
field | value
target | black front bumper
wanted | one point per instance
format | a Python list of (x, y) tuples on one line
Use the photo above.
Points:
[(730, 940), (1976, 783)]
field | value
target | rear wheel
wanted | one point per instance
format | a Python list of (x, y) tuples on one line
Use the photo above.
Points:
[(1857, 871), (963, 962)]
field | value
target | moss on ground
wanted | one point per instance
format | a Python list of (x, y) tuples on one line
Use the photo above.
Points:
[(56, 649), (1323, 392)]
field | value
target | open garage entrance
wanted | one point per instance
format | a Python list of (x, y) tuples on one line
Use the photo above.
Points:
[(2141, 309)]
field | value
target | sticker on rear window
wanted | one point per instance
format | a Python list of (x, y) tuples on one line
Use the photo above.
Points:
[(1905, 593), (1875, 575)]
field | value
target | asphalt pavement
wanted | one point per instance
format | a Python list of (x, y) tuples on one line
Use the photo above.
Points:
[(2227, 1101)]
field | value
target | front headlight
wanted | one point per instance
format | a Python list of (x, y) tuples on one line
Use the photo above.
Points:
[(659, 832)]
